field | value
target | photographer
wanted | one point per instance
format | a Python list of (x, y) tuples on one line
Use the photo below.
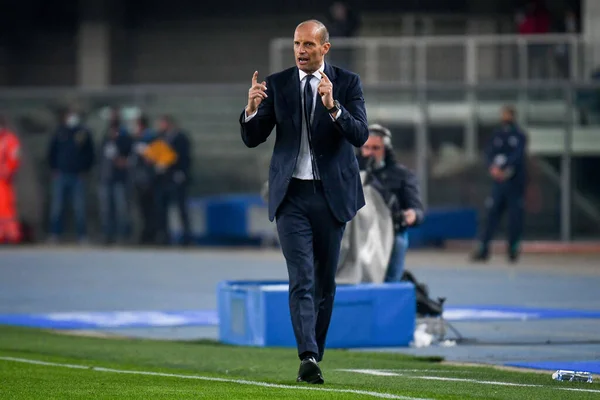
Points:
[(399, 187)]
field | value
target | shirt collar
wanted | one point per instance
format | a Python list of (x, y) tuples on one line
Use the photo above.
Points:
[(316, 74)]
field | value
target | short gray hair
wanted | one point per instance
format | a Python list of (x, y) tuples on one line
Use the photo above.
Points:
[(382, 132), (321, 28)]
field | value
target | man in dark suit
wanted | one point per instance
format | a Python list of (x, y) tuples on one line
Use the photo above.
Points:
[(506, 156), (173, 182), (319, 114)]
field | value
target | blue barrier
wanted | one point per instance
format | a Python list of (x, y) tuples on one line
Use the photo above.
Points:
[(442, 224), (255, 313), (242, 219), (228, 220)]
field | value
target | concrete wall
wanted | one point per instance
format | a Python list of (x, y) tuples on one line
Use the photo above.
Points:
[(201, 50)]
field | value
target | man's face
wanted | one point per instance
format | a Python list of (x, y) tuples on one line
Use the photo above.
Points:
[(114, 115), (162, 126), (72, 119), (308, 49), (506, 116), (338, 10), (373, 147)]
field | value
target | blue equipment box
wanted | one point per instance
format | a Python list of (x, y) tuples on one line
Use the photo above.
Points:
[(444, 223), (256, 313)]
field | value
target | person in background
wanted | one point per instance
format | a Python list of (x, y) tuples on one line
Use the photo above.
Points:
[(143, 176), (70, 157), (535, 20), (564, 51), (507, 164), (343, 23), (10, 148), (114, 189), (401, 192), (173, 182)]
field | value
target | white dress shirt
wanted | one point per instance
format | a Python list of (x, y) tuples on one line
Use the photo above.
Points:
[(303, 169)]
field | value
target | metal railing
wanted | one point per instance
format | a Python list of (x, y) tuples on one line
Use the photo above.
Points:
[(426, 120), (468, 59)]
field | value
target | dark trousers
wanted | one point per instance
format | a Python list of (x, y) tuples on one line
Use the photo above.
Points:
[(146, 200), (310, 239), (168, 192), (64, 185), (113, 200), (505, 196)]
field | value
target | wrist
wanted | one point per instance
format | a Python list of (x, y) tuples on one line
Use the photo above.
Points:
[(250, 111), (333, 107)]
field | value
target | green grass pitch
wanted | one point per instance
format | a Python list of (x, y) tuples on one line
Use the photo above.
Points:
[(36, 364)]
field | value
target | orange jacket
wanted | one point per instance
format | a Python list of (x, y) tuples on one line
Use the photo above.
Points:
[(10, 154)]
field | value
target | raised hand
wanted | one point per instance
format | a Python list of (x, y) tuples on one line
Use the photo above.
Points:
[(325, 90), (410, 216), (256, 94), (497, 173)]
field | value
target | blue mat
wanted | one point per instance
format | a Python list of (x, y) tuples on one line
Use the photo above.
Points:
[(145, 319), (113, 319), (513, 313), (587, 366)]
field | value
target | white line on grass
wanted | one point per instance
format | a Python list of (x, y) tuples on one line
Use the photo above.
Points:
[(378, 372), (440, 371), (213, 379)]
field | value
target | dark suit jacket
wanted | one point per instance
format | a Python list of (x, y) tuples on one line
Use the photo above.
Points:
[(181, 145), (332, 141)]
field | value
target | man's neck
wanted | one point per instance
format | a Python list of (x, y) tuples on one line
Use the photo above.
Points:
[(321, 68)]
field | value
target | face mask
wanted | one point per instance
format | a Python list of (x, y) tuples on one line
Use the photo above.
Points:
[(72, 120)]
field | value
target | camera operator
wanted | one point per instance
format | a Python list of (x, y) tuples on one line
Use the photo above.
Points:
[(400, 189)]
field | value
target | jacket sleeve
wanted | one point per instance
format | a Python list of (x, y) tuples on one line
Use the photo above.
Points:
[(89, 157), (352, 123), (489, 151), (412, 196), (257, 130), (183, 154), (127, 149), (52, 150), (518, 153)]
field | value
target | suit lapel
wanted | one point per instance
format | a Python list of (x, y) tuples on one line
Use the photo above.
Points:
[(320, 110), (292, 98)]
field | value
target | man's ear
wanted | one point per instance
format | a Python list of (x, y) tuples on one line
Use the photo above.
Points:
[(326, 48)]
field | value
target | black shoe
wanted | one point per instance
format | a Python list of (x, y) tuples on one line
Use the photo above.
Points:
[(310, 372), (480, 256), (513, 251)]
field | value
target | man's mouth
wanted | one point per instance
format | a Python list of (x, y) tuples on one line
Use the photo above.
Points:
[(303, 60)]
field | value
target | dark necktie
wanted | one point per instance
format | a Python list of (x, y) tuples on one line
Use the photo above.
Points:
[(308, 101), (308, 106)]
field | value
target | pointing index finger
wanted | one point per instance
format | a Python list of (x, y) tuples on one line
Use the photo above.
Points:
[(325, 77), (254, 78)]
